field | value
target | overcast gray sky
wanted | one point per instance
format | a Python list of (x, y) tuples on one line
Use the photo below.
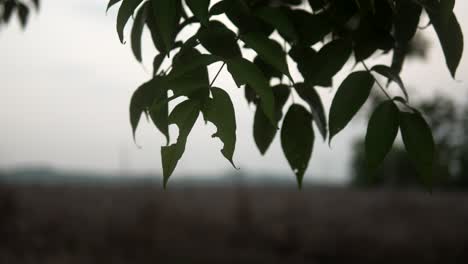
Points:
[(66, 83)]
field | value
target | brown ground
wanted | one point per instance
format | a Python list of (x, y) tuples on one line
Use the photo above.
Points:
[(140, 224)]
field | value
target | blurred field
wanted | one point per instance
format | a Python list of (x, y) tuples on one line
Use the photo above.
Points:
[(138, 223)]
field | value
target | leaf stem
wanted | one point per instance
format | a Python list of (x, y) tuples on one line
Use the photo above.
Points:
[(217, 74)]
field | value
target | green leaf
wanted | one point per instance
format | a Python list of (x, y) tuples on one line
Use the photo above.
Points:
[(184, 116), (451, 38), (310, 95), (310, 28), (167, 16), (419, 143), (349, 98), (308, 64), (392, 75), (267, 70), (297, 140), (198, 61), (111, 3), (23, 14), (194, 81), (381, 133), (331, 58), (269, 50), (154, 29), (446, 9), (220, 112), (219, 40), (277, 18), (158, 60), (407, 18), (199, 9), (125, 12), (143, 99), (245, 72), (137, 30), (263, 130)]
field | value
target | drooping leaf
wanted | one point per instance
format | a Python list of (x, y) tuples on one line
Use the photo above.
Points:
[(310, 95), (310, 28), (331, 58), (220, 111), (137, 30), (263, 130), (199, 9), (446, 9), (8, 9), (125, 12), (349, 98), (218, 8), (419, 144), (245, 72), (167, 15), (297, 140), (308, 65), (199, 61), (154, 29), (243, 17), (392, 76), (277, 18), (36, 4), (381, 133), (23, 14), (111, 3), (269, 50), (407, 18), (142, 101), (158, 60), (451, 38), (187, 78), (219, 40), (184, 116), (267, 70)]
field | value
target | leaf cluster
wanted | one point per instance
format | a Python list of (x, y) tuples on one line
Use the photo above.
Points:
[(8, 8), (317, 36)]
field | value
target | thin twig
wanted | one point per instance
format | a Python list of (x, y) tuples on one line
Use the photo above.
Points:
[(377, 81), (216, 76)]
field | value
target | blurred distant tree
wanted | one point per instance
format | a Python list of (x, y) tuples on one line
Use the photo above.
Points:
[(448, 123), (8, 8), (319, 36)]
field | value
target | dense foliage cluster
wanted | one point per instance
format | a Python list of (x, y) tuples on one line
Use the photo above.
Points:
[(21, 8), (319, 36)]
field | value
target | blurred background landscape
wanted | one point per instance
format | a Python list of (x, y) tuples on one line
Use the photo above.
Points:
[(75, 188)]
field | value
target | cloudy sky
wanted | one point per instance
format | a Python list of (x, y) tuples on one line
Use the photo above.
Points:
[(66, 83)]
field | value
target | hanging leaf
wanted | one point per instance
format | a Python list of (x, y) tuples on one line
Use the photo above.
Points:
[(198, 61), (331, 58), (125, 12), (220, 112), (297, 140), (245, 72), (407, 18), (219, 40), (308, 65), (310, 95), (451, 38), (111, 3), (381, 133), (349, 98), (154, 29), (23, 14), (310, 28), (446, 9), (419, 143), (137, 30), (269, 50), (199, 9), (263, 130), (392, 76), (277, 18), (158, 60), (184, 116), (143, 99), (167, 16), (194, 81)]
